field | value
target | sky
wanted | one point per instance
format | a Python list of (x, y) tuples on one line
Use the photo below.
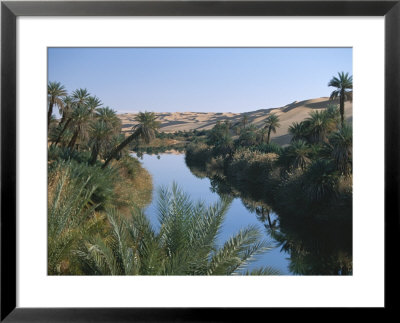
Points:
[(198, 79)]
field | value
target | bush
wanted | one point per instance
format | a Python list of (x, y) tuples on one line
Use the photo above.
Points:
[(99, 181), (64, 153), (272, 147), (251, 165), (198, 153)]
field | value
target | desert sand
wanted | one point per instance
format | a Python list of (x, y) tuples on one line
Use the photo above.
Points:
[(292, 112)]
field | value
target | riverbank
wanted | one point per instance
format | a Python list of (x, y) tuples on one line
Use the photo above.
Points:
[(316, 236), (300, 193)]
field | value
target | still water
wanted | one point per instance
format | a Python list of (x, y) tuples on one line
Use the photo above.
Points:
[(167, 168)]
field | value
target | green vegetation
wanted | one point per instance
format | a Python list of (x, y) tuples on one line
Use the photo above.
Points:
[(313, 171), (96, 193), (343, 84)]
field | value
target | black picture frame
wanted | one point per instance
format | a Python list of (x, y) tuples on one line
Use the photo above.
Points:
[(10, 10)]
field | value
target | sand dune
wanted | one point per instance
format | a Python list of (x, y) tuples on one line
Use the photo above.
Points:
[(186, 121)]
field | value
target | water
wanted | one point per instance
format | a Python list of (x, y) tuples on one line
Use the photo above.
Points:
[(172, 167)]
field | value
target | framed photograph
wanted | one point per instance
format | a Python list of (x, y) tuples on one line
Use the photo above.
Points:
[(197, 158)]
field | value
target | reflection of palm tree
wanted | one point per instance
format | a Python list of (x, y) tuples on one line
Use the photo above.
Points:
[(263, 214), (343, 83), (145, 130)]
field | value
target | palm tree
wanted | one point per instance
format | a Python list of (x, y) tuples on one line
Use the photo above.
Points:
[(341, 146), (145, 130), (65, 118), (78, 98), (320, 180), (244, 120), (93, 102), (99, 133), (109, 116), (298, 130), (80, 122), (271, 123), (69, 207), (186, 243), (319, 125), (66, 108), (262, 132), (299, 154), (343, 84), (296, 156), (102, 130), (55, 92)]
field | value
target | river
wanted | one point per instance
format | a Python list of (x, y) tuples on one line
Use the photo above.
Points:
[(171, 167)]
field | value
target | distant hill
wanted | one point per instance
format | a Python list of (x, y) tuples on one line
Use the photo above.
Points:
[(293, 112)]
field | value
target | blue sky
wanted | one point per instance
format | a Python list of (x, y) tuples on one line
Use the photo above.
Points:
[(198, 79)]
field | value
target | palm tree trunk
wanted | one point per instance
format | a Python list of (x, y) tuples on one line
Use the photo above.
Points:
[(342, 107), (73, 139), (62, 131), (49, 113), (116, 150), (269, 135), (95, 152)]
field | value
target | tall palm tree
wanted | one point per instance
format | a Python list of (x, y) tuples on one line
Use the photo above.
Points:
[(344, 86), (244, 120), (84, 109), (103, 128), (100, 132), (109, 116), (271, 123), (80, 96), (66, 111), (81, 117), (66, 108), (55, 92), (262, 132), (93, 102), (145, 130)]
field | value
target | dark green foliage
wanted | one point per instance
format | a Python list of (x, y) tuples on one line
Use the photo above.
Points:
[(198, 153), (295, 156), (67, 154), (340, 148), (269, 148), (320, 180), (247, 138)]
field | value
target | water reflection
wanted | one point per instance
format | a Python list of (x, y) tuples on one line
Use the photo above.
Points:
[(317, 245), (171, 167)]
